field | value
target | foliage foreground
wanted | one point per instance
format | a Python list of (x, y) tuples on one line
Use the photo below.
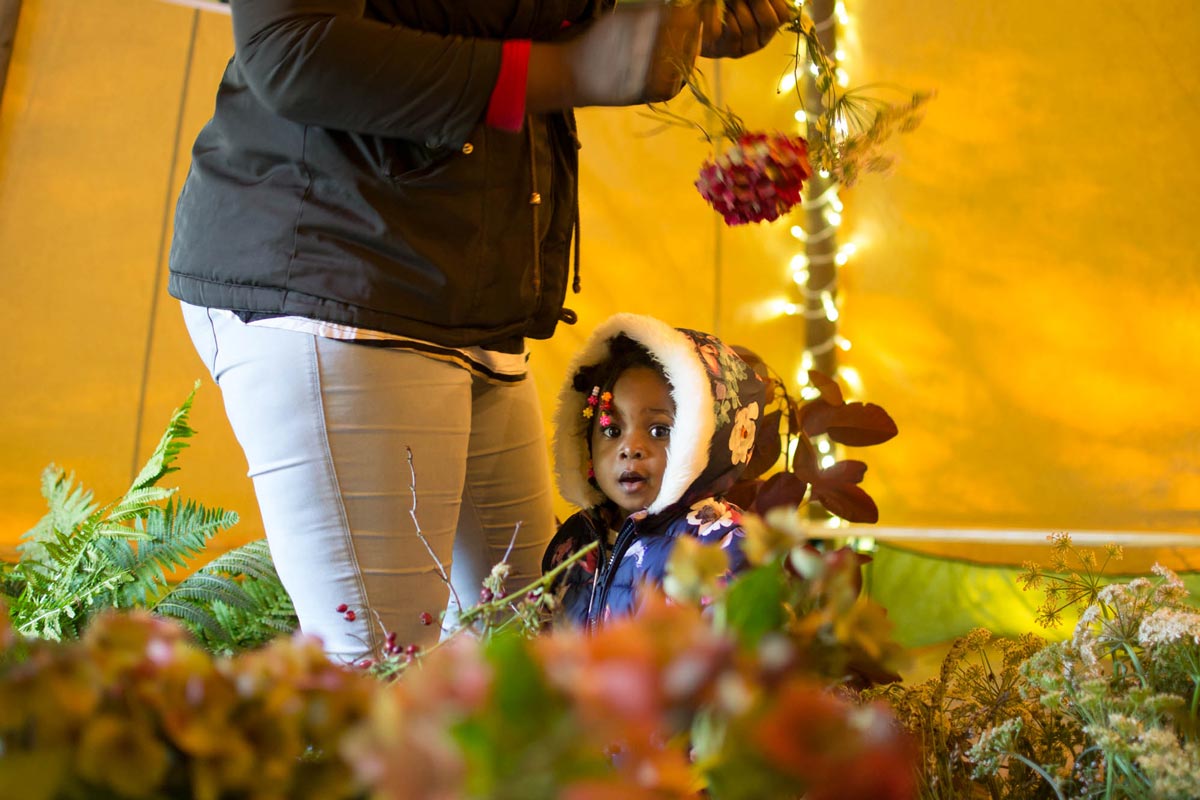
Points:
[(117, 682), (661, 706)]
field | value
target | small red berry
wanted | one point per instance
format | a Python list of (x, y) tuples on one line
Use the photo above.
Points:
[(411, 650), (391, 637), (485, 594), (426, 618), (350, 615), (342, 608), (366, 663)]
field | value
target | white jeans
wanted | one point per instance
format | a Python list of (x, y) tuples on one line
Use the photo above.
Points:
[(324, 425)]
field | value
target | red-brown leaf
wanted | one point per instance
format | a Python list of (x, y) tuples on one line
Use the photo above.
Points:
[(742, 493), (804, 460), (830, 392), (847, 501), (781, 489), (816, 416), (860, 425), (849, 471)]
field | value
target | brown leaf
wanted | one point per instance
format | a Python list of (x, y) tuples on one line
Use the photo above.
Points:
[(804, 460), (849, 471), (847, 501), (816, 416), (781, 489), (830, 392), (860, 425), (742, 493)]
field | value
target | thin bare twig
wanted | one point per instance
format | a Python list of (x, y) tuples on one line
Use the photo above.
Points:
[(412, 512)]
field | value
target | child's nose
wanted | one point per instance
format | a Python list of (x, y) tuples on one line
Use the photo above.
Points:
[(633, 447)]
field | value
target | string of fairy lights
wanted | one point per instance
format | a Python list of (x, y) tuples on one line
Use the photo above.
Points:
[(823, 247)]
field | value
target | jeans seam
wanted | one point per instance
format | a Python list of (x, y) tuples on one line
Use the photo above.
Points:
[(373, 641)]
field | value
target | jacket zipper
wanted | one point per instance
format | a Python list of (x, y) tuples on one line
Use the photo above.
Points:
[(535, 200), (605, 577)]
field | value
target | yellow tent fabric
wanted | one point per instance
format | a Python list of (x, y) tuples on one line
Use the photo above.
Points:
[(1023, 297)]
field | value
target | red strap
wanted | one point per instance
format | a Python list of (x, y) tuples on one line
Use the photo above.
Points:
[(506, 108)]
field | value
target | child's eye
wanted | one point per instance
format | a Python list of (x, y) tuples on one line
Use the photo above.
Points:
[(611, 432), (660, 431)]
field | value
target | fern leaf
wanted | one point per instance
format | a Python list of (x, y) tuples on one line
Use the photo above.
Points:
[(112, 530), (174, 535), (211, 589), (138, 501), (160, 462), (252, 560), (195, 616), (68, 507), (259, 611)]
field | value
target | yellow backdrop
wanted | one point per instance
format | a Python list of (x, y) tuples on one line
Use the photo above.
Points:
[(1023, 299)]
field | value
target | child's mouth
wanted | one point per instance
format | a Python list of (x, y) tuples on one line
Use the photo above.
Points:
[(631, 481)]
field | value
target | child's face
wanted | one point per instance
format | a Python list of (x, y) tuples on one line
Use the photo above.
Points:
[(629, 455)]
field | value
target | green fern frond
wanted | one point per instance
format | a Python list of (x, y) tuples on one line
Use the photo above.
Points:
[(174, 535), (138, 501), (269, 612), (210, 589), (114, 530), (252, 560), (160, 462), (197, 617), (68, 506)]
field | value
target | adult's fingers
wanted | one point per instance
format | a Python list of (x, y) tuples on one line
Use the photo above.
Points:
[(764, 22)]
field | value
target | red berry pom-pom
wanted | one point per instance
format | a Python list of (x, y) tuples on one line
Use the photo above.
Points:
[(758, 179)]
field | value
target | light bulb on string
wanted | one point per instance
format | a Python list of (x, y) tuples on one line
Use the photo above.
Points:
[(827, 302), (844, 253), (799, 233), (787, 83), (852, 378), (843, 343)]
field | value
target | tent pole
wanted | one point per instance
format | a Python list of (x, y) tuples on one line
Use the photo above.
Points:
[(821, 245), (9, 11)]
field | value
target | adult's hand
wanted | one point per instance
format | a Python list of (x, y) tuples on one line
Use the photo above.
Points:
[(636, 54), (745, 27)]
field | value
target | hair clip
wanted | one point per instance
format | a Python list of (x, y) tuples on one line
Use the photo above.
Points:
[(605, 406), (590, 408)]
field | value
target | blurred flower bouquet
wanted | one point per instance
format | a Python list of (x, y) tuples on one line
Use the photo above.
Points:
[(677, 702)]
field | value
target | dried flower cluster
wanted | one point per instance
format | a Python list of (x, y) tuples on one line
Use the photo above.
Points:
[(758, 178), (1110, 712)]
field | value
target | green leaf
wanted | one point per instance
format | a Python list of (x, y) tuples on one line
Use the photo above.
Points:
[(755, 602)]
